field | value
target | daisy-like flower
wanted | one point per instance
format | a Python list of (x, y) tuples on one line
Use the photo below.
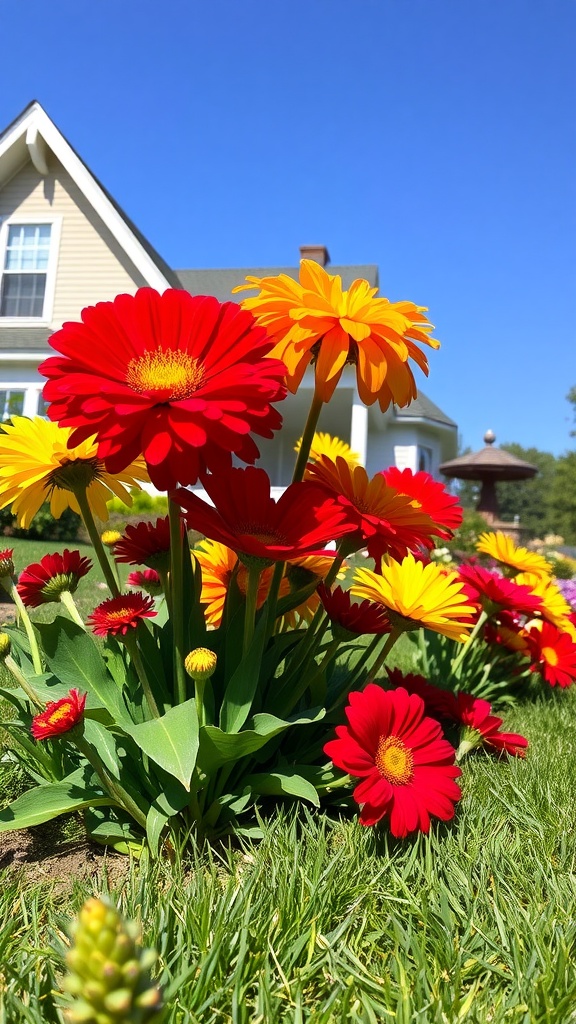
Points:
[(553, 653), (37, 465), (220, 565), (554, 607), (496, 592), (501, 547), (147, 580), (44, 581), (300, 572), (482, 728), (429, 495), (506, 630), (405, 764), (418, 596), (60, 716), (247, 519), (439, 703), (314, 320), (182, 380), (331, 447), (384, 521), (351, 618), (145, 544), (6, 563), (119, 614)]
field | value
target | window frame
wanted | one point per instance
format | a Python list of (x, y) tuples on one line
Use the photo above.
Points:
[(55, 222)]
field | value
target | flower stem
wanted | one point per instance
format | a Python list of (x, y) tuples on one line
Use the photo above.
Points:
[(391, 640), (176, 603), (466, 646), (131, 643), (109, 783), (254, 572), (20, 678), (86, 512), (70, 606), (10, 586), (307, 437)]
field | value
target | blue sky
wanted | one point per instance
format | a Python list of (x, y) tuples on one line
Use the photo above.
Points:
[(435, 138)]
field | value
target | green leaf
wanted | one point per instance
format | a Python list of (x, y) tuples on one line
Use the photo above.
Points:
[(243, 685), (171, 741), (46, 802), (285, 783), (218, 747), (168, 802), (76, 661)]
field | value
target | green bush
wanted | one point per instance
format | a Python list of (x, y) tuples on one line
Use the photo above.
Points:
[(43, 525), (142, 504)]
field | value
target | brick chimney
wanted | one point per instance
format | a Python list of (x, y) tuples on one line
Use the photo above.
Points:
[(319, 253)]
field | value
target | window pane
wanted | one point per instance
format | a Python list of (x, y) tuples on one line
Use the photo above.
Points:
[(28, 247), (42, 406), (15, 403), (22, 294)]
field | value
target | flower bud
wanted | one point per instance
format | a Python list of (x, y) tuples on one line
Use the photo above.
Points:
[(200, 664), (5, 645), (110, 538), (6, 563)]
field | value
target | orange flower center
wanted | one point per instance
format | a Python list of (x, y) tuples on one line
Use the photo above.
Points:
[(394, 760), (253, 530), (550, 655), (59, 713), (120, 614), (168, 374)]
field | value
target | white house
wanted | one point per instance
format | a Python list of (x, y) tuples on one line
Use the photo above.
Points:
[(65, 243)]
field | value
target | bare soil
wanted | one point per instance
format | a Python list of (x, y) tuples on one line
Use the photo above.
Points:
[(34, 856)]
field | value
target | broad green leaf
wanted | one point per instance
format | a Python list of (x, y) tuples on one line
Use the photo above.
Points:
[(171, 741), (218, 747), (285, 783), (168, 802), (243, 685), (76, 661), (72, 794)]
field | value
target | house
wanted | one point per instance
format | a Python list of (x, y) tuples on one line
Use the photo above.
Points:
[(65, 243)]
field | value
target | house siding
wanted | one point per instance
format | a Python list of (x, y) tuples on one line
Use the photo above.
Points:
[(91, 265)]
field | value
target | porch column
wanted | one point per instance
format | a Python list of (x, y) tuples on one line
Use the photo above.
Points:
[(359, 429)]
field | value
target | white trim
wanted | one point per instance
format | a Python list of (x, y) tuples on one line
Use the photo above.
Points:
[(55, 222), (36, 116), (15, 356), (359, 429)]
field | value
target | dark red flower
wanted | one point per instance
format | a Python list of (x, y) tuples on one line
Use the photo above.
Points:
[(6, 562), (429, 495), (146, 544), (182, 380), (45, 580), (482, 728), (119, 614), (60, 716), (247, 519), (351, 616), (406, 766), (148, 580), (497, 592), (553, 654), (438, 702)]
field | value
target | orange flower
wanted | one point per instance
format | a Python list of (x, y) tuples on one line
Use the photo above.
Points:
[(314, 320), (218, 564), (60, 716)]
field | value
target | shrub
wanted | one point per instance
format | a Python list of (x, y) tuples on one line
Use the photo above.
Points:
[(43, 525)]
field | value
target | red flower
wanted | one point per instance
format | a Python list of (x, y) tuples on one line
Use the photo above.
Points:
[(496, 591), (553, 654), (119, 614), (146, 544), (483, 728), (439, 703), (45, 580), (247, 519), (6, 562), (182, 380), (350, 616), (429, 495), (60, 716), (148, 580), (406, 766)]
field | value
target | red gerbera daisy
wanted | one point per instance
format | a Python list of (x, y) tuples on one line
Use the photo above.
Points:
[(247, 519), (553, 654), (496, 591), (119, 614), (6, 562), (60, 716), (182, 380), (406, 766), (429, 495), (481, 727), (146, 544), (148, 580), (438, 702), (351, 617), (45, 580)]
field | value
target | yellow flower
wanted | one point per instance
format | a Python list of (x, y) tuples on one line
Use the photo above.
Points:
[(501, 547), (36, 466), (200, 663), (331, 447), (314, 320), (554, 608), (417, 595)]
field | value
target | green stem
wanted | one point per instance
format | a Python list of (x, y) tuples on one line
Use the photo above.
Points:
[(359, 669), (176, 602), (131, 642), (68, 601), (272, 600), (109, 783), (466, 646), (391, 640), (96, 540), (254, 572), (316, 684), (10, 586), (20, 678), (307, 437)]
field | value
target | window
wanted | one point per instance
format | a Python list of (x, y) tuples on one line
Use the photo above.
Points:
[(27, 263), (424, 459), (11, 404)]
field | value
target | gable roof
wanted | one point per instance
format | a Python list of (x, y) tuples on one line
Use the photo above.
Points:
[(423, 408), (221, 282), (29, 137)]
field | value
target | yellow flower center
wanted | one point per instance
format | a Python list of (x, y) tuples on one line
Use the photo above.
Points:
[(120, 614), (59, 713), (76, 474), (394, 760), (170, 375), (550, 655)]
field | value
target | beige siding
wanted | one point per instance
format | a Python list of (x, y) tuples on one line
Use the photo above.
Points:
[(91, 265)]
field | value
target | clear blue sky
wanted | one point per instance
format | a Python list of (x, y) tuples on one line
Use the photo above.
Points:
[(435, 138)]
